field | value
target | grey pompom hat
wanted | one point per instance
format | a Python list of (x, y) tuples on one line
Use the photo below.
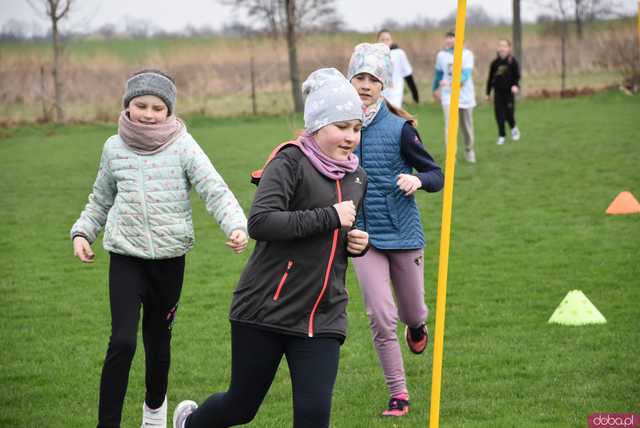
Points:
[(329, 98), (151, 82)]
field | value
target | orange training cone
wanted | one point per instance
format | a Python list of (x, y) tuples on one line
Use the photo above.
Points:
[(624, 203)]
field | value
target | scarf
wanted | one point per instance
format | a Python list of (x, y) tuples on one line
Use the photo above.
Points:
[(330, 168), (371, 112), (149, 139)]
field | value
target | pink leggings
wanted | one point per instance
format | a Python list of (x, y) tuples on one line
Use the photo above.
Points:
[(381, 274)]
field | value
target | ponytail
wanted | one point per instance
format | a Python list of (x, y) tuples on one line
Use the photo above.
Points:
[(402, 113)]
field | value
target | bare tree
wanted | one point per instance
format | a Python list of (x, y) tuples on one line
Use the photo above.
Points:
[(294, 71), (55, 11), (558, 25), (290, 18), (13, 30), (516, 32), (139, 28), (107, 31), (477, 16), (578, 12), (271, 15), (590, 10)]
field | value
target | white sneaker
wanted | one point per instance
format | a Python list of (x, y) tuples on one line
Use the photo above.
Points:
[(470, 156), (184, 409), (154, 418), (500, 141), (515, 134)]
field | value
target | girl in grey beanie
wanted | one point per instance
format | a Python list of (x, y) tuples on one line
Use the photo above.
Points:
[(291, 298), (141, 198)]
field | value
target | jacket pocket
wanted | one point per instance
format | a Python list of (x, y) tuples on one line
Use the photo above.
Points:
[(188, 234), (285, 275), (392, 210)]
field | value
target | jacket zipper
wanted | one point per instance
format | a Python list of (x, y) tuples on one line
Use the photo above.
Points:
[(276, 296), (327, 274), (144, 208), (364, 211)]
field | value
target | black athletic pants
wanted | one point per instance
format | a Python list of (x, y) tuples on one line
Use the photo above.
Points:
[(504, 107), (255, 357), (155, 285)]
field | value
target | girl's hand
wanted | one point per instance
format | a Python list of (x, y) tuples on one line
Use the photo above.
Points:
[(347, 213), (237, 241), (408, 183), (82, 249), (515, 89), (488, 98), (443, 83), (357, 241), (436, 96)]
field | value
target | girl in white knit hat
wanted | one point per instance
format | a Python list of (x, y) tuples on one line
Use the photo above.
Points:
[(397, 163), (291, 298), (141, 197)]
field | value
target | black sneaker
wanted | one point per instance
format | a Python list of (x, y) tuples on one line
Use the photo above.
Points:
[(397, 407)]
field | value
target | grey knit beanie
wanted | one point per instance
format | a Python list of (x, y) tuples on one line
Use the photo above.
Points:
[(151, 82), (329, 98)]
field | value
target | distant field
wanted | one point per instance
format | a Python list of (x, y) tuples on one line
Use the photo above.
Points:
[(528, 226), (213, 74)]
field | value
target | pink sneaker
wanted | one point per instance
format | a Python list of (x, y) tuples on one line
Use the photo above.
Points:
[(398, 406)]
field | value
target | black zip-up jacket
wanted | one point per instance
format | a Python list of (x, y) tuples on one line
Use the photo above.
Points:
[(503, 74), (294, 282)]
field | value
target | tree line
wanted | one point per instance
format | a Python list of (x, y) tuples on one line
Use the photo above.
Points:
[(291, 18)]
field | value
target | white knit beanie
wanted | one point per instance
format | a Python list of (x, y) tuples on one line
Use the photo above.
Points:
[(374, 59), (329, 98)]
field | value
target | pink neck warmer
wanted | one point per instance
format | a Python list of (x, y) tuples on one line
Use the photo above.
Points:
[(329, 167), (149, 139)]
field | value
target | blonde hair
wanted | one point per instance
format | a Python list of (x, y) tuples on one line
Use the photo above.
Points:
[(398, 111)]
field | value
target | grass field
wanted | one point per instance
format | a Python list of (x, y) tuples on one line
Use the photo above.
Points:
[(529, 226)]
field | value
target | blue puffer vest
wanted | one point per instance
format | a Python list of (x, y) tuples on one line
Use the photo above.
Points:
[(391, 218)]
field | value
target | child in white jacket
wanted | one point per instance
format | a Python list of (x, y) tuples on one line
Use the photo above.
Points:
[(141, 197)]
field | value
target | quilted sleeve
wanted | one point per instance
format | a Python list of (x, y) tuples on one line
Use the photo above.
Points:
[(94, 216), (220, 202)]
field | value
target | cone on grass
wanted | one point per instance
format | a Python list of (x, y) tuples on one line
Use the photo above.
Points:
[(624, 203), (576, 309)]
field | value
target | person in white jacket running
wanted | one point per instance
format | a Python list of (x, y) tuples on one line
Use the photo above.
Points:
[(442, 81), (402, 72)]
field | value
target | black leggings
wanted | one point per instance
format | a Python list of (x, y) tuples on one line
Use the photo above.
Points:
[(504, 107), (156, 285), (255, 357)]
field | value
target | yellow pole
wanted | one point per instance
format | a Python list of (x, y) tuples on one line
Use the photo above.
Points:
[(445, 231)]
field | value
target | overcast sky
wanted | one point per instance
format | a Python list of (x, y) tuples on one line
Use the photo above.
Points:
[(172, 15)]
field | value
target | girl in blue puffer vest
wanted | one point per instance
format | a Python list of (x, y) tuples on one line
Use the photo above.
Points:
[(389, 151), (141, 197)]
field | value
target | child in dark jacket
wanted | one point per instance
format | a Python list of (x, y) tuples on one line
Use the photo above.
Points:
[(291, 298), (504, 78)]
